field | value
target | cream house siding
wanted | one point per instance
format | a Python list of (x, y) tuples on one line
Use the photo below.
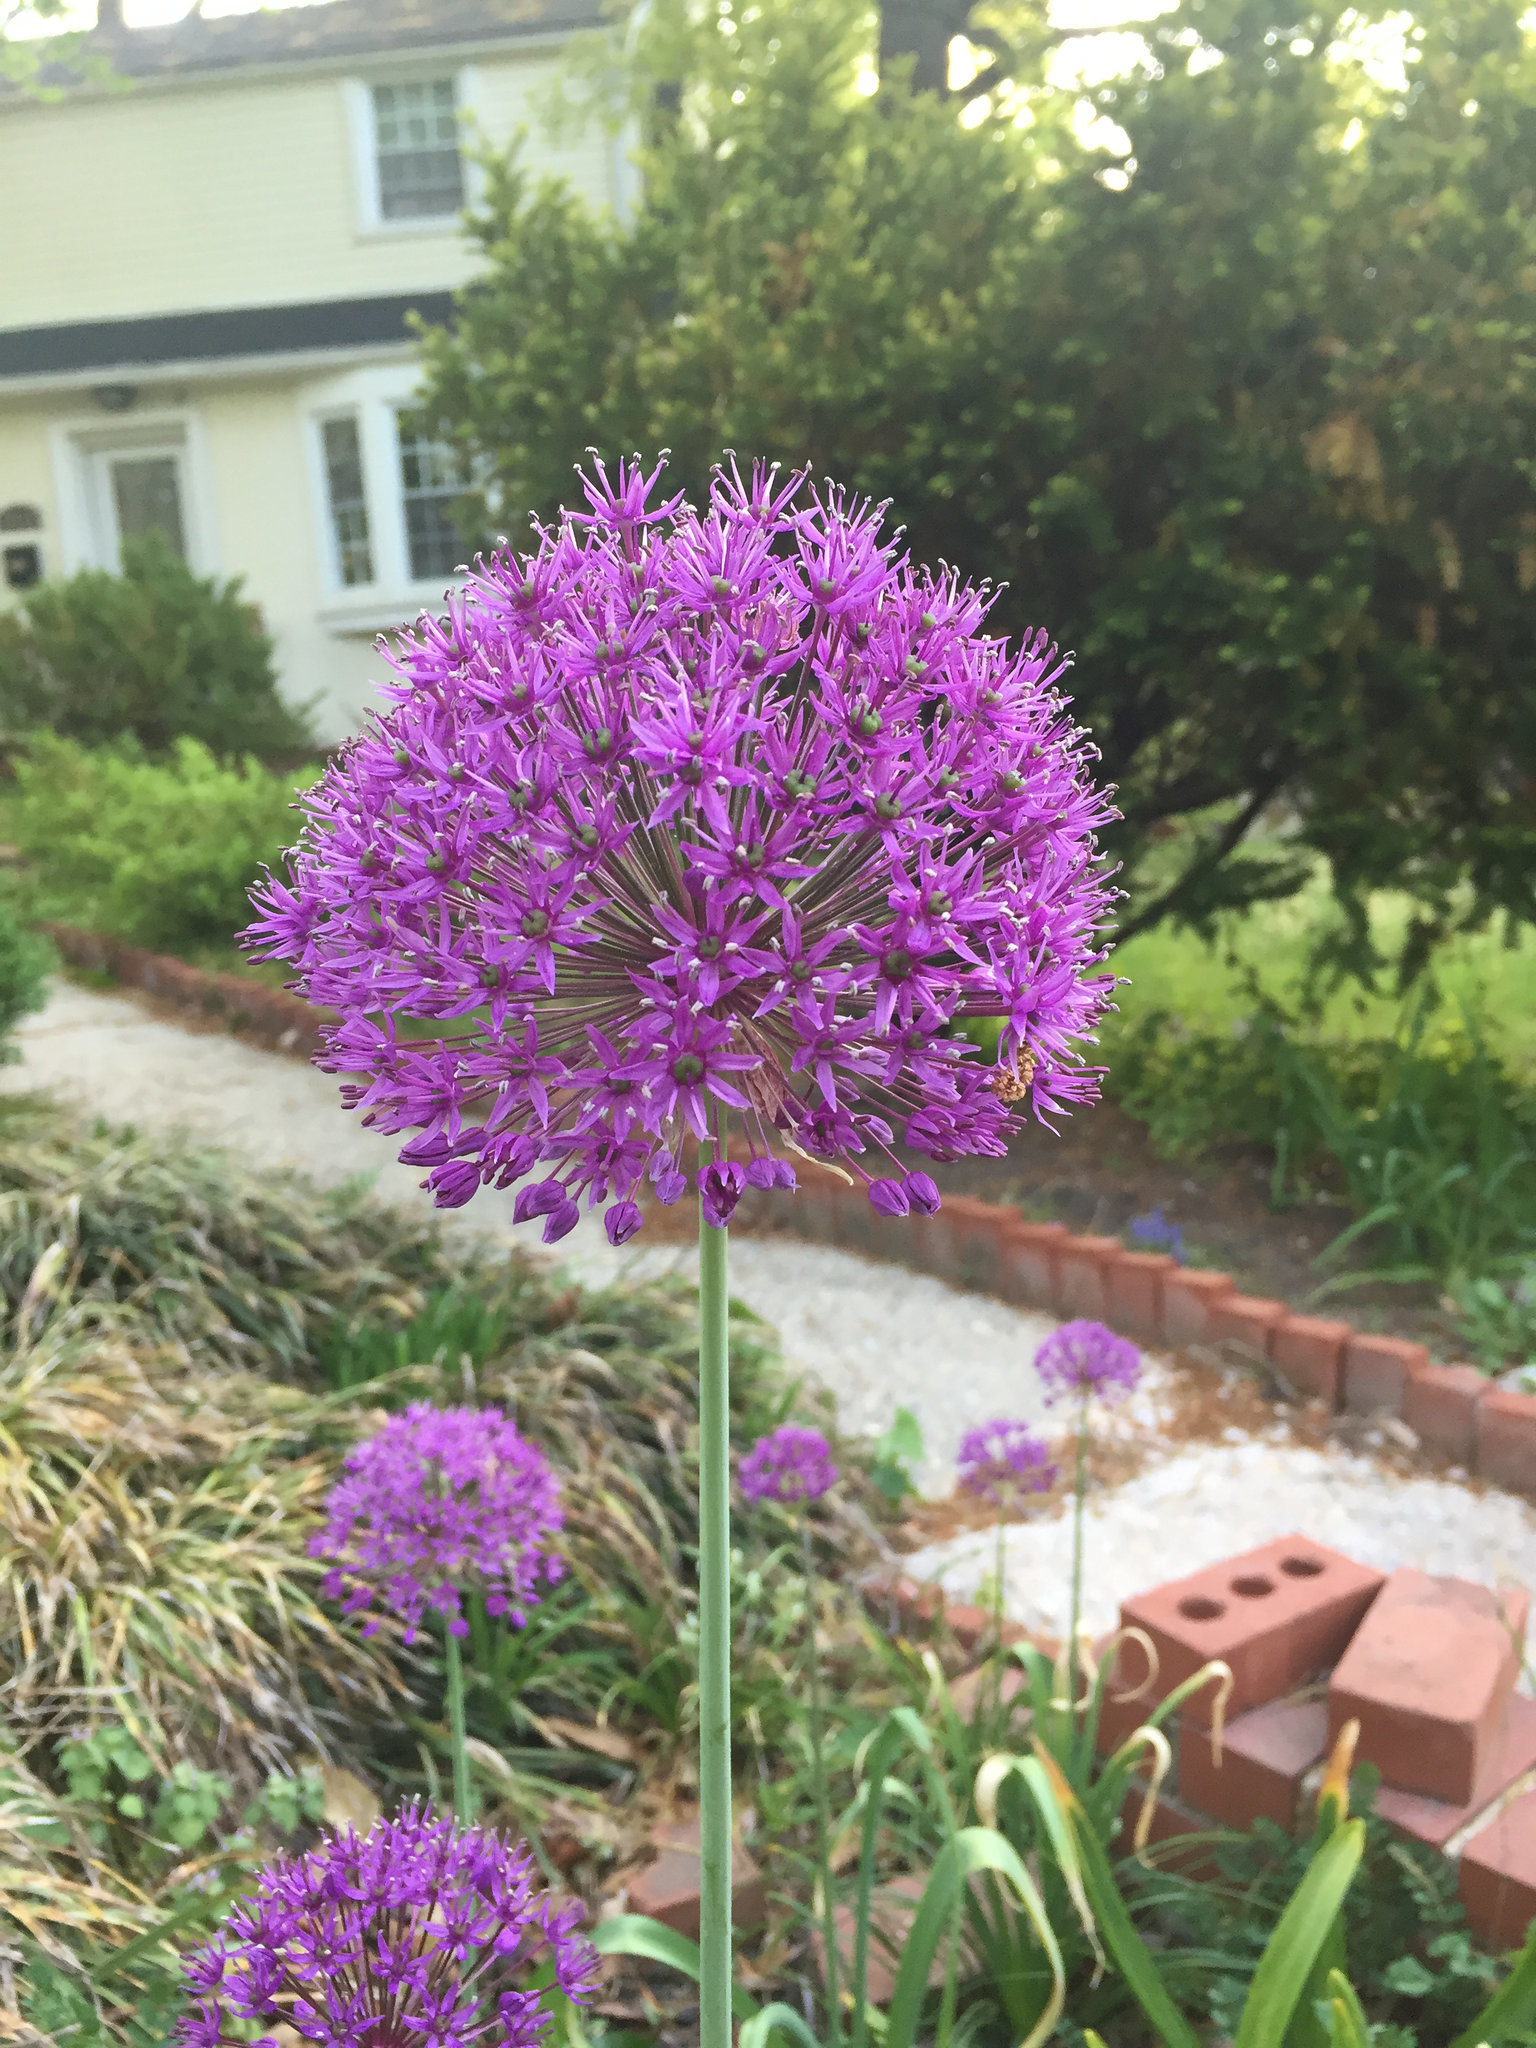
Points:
[(210, 192), (235, 192), (272, 530)]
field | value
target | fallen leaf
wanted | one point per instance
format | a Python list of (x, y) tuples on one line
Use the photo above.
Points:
[(582, 1735), (348, 1801)]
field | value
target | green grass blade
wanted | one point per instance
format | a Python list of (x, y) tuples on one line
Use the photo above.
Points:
[(636, 1934), (881, 1756), (1348, 2026), (1293, 1948), (1132, 1957), (969, 1851), (777, 2019), (1512, 2008)]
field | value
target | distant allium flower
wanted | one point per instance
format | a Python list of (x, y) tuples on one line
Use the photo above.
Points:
[(1004, 1461), (442, 1498), (1155, 1229), (1086, 1358), (792, 1465), (416, 1933), (692, 813)]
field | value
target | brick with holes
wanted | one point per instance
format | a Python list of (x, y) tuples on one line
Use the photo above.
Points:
[(1277, 1616)]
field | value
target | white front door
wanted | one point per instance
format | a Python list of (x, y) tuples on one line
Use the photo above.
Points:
[(139, 489)]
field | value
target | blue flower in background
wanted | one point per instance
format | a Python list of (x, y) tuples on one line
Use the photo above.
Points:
[(1159, 1235)]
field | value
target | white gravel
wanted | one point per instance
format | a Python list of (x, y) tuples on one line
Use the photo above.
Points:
[(1205, 1503), (876, 1336)]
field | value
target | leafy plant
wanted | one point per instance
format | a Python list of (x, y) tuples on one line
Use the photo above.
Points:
[(161, 853), (26, 960), (895, 1455), (1423, 1133), (455, 1329), (154, 655), (1497, 1317)]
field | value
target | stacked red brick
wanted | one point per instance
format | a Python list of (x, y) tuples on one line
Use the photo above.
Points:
[(1426, 1666)]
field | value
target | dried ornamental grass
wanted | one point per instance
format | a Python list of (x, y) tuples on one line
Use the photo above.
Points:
[(149, 1565), (157, 1493), (248, 1267)]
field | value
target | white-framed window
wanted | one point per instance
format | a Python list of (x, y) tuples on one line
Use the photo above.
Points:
[(119, 483), (346, 499), (408, 137), (431, 484), (386, 492), (416, 149)]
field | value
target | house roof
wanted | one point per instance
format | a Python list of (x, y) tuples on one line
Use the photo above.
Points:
[(235, 334), (337, 30)]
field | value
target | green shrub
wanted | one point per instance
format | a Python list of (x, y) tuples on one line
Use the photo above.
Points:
[(24, 963), (1425, 1134), (158, 853), (153, 654)]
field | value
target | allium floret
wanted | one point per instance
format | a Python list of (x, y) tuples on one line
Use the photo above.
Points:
[(791, 1464), (1003, 1462), (440, 1501), (702, 819), (1084, 1359), (419, 1932)]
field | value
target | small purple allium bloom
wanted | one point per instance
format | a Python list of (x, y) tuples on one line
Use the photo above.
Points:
[(1154, 1229), (1084, 1358), (418, 1932), (442, 1498), (791, 1464), (702, 817), (1003, 1462)]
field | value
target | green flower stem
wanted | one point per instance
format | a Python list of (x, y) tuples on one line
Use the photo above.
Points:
[(819, 1795), (1000, 1571), (1079, 1500), (463, 1796), (714, 1641)]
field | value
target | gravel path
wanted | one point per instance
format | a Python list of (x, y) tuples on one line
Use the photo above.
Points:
[(877, 1336)]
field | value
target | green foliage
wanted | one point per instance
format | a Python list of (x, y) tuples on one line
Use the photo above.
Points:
[(895, 1453), (1411, 1960), (161, 853), (25, 963), (1423, 1132), (154, 655), (1246, 422), (454, 1329), (1498, 1318)]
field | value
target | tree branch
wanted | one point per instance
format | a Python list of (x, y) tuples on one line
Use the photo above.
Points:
[(1215, 853)]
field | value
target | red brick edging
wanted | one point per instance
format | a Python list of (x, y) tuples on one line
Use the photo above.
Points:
[(1454, 1409)]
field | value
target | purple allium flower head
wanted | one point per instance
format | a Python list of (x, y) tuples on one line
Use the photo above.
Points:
[(1003, 1462), (692, 817), (419, 1931), (1083, 1358), (791, 1464), (440, 1499)]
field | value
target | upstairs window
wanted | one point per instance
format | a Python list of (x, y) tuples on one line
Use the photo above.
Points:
[(348, 499), (416, 143), (431, 482)]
